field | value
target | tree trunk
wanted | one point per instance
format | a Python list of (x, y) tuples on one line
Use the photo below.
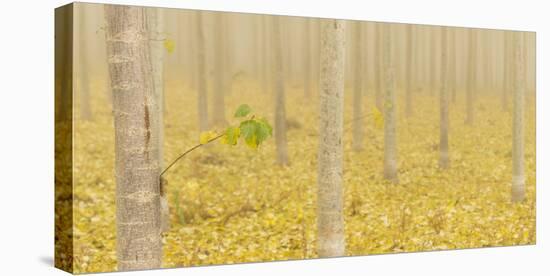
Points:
[(136, 149), (444, 106), (280, 112), (507, 76), (155, 24), (83, 80), (357, 91), (202, 94), (471, 82), (218, 116), (330, 199), (518, 176), (390, 118), (378, 66), (409, 86), (307, 59), (452, 69)]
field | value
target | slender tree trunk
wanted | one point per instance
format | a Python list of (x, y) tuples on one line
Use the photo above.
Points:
[(155, 21), (307, 59), (280, 109), (433, 62), (378, 66), (452, 69), (471, 82), (83, 80), (202, 94), (357, 90), (409, 57), (330, 195), (390, 117), (136, 149), (444, 105), (507, 76), (518, 176), (218, 116)]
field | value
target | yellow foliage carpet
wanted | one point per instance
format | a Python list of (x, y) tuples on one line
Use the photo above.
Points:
[(232, 204)]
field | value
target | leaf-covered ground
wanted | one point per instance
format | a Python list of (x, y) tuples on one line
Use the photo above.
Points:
[(233, 204)]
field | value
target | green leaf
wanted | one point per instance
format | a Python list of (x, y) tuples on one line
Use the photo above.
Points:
[(263, 130), (231, 136), (243, 110)]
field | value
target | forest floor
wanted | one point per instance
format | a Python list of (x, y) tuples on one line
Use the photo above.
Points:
[(234, 204)]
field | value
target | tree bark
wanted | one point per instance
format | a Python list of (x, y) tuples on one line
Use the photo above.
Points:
[(136, 148), (155, 21), (444, 105), (518, 176), (280, 109), (357, 91), (330, 224), (84, 70), (471, 82), (390, 117), (378, 66), (507, 76), (202, 94), (409, 59), (218, 116)]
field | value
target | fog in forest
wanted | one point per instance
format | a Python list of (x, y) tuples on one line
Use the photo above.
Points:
[(436, 131)]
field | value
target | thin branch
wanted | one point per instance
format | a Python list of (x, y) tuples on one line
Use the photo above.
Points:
[(188, 151)]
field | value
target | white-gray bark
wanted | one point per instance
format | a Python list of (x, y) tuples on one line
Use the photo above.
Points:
[(330, 195), (409, 64), (136, 148), (444, 105), (155, 21), (358, 132), (218, 101), (518, 175), (280, 109), (390, 116), (202, 94), (471, 77)]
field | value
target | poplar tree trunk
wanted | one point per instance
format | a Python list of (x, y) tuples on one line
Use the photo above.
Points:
[(155, 21), (471, 82), (378, 67), (202, 94), (83, 80), (409, 60), (390, 118), (218, 116), (507, 76), (280, 109), (307, 59), (357, 91), (330, 195), (518, 175), (433, 62), (136, 149), (452, 69), (444, 105)]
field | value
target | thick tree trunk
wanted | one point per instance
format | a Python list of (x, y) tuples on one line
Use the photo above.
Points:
[(390, 117), (155, 24), (471, 82), (330, 199), (280, 109), (202, 95), (136, 148), (444, 105), (84, 69), (518, 176), (409, 85), (452, 69), (357, 91), (218, 116)]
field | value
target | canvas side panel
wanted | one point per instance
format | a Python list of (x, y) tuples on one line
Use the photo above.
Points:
[(64, 138)]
